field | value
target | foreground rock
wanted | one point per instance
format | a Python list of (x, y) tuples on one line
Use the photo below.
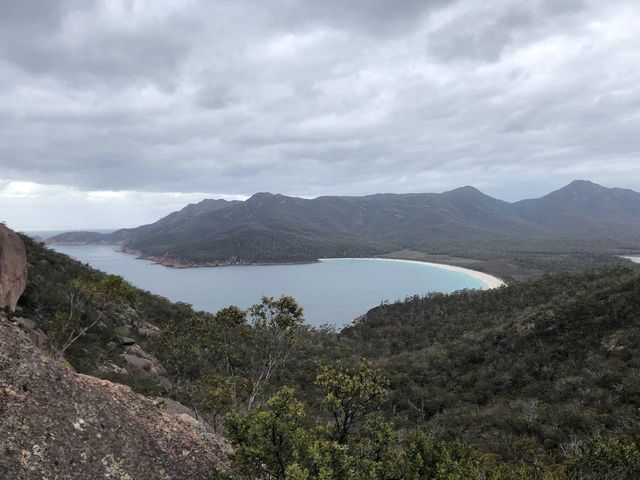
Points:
[(55, 423), (13, 268)]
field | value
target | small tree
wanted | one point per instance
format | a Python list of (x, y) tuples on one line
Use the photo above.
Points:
[(276, 324), (276, 441), (88, 301), (351, 397), (268, 441), (232, 326), (179, 347)]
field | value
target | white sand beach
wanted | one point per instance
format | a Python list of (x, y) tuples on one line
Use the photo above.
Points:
[(633, 259), (489, 280)]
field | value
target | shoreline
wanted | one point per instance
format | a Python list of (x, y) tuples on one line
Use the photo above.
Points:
[(490, 281), (175, 264), (634, 259)]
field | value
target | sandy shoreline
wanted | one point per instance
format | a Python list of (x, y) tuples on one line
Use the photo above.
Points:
[(633, 259), (489, 280)]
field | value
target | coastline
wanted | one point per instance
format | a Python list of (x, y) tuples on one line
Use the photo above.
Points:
[(172, 263), (490, 281), (635, 259)]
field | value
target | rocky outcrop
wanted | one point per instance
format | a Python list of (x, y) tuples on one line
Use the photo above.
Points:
[(55, 423), (139, 361), (13, 268)]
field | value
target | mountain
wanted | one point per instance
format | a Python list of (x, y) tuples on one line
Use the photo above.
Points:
[(274, 228), (584, 207)]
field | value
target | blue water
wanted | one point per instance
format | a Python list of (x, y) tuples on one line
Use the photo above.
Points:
[(331, 292)]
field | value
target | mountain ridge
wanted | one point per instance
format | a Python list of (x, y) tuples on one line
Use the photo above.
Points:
[(275, 228)]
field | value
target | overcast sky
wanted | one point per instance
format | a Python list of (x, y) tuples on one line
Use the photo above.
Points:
[(113, 113)]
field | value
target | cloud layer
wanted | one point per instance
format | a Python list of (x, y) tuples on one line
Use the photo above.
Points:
[(309, 98)]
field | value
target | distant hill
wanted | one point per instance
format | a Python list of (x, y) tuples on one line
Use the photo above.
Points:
[(273, 228)]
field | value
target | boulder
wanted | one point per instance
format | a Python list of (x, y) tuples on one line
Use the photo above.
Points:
[(175, 408), (137, 364), (57, 424), (171, 406), (13, 268), (139, 361)]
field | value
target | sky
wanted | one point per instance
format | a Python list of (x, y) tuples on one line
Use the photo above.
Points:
[(114, 113)]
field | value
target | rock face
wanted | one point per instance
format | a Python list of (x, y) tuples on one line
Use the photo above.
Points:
[(13, 268), (55, 423)]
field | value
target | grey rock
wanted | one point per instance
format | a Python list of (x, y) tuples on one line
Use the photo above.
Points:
[(55, 423), (13, 268)]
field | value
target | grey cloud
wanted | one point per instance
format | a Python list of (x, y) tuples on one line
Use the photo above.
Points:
[(381, 17), (72, 42), (311, 98), (484, 30)]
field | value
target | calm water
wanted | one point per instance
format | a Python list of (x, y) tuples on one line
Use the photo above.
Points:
[(331, 292)]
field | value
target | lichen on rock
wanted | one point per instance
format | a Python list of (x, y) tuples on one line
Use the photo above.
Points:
[(55, 423)]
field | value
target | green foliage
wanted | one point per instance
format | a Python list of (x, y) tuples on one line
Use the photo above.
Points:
[(523, 371), (425, 458), (226, 361), (276, 325), (88, 300), (180, 345), (278, 441), (351, 397), (601, 460), (269, 439)]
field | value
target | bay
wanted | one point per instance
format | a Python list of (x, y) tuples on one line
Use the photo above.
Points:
[(333, 291)]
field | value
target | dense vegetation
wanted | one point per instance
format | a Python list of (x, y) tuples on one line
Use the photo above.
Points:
[(528, 371), (540, 379), (580, 225)]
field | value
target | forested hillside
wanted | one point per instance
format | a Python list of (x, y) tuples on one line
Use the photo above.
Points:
[(537, 379), (574, 224), (529, 370)]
